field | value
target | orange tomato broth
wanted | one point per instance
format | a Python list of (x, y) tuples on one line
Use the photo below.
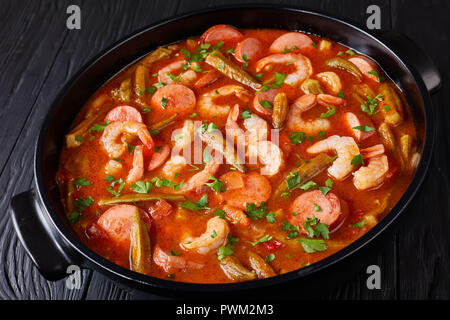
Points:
[(89, 159)]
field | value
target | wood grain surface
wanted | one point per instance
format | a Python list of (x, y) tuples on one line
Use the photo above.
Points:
[(38, 55)]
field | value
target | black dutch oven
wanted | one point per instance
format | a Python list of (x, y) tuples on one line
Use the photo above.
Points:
[(38, 214)]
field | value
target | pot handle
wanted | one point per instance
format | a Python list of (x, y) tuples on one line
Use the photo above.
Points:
[(416, 57), (47, 254)]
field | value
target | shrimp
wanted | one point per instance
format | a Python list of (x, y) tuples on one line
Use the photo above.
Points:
[(345, 147), (332, 81), (174, 165), (373, 174), (207, 107), (112, 167), (185, 78), (269, 154), (295, 121), (242, 189), (186, 136), (137, 171), (206, 242), (303, 66), (117, 129), (170, 263), (257, 128), (232, 128), (159, 157), (373, 151), (327, 100), (199, 179)]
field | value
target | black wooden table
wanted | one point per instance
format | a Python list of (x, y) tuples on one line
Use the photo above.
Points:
[(38, 54)]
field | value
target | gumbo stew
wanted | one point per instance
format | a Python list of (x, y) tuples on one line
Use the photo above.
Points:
[(237, 155)]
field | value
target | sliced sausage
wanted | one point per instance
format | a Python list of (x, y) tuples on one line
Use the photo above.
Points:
[(207, 79), (124, 113), (365, 65), (268, 95), (353, 121), (289, 40), (251, 47), (220, 32), (116, 223), (159, 158), (314, 204), (174, 98)]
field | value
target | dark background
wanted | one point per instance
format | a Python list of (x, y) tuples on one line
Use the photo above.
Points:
[(38, 55)]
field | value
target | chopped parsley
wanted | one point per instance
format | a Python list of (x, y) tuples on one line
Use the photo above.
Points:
[(308, 186), (315, 228), (227, 250), (364, 128), (261, 240), (270, 258), (375, 73), (289, 50), (178, 186), (199, 205), (357, 160), (351, 53), (312, 245), (164, 103), (297, 137), (120, 184), (216, 185), (359, 224), (341, 95), (270, 217), (99, 127), (255, 212), (162, 182), (83, 203), (74, 217), (151, 91), (371, 105), (141, 186), (246, 114), (266, 104), (293, 180), (83, 182), (279, 80), (329, 113), (317, 208), (131, 148), (220, 213)]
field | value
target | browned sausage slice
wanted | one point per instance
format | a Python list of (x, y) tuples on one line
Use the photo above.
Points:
[(314, 204)]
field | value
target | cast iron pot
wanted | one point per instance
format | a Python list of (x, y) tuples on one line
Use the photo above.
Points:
[(38, 214)]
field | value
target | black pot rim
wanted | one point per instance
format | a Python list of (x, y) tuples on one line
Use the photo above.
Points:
[(101, 264)]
